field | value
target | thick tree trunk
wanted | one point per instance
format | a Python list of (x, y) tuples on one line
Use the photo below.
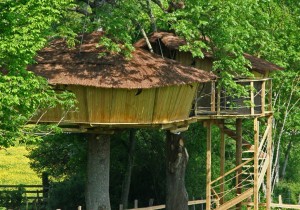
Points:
[(97, 186), (127, 178), (177, 158)]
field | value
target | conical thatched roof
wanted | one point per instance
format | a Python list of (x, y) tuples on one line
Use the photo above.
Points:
[(173, 42), (82, 65)]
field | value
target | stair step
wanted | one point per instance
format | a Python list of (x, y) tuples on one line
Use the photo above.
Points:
[(247, 166), (244, 173), (248, 151), (261, 158)]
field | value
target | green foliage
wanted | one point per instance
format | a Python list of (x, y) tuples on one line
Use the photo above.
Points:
[(61, 156), (24, 28), (67, 194), (20, 98), (289, 191), (12, 199)]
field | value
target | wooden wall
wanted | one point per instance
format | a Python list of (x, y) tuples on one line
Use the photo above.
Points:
[(113, 106)]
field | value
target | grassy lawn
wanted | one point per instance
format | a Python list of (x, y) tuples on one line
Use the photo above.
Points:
[(14, 167)]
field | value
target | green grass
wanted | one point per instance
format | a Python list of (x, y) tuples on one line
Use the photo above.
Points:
[(14, 167)]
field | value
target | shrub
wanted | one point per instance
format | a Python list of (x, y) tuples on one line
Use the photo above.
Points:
[(12, 199), (68, 194)]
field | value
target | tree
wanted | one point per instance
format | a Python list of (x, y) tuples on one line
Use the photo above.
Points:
[(268, 29), (24, 28)]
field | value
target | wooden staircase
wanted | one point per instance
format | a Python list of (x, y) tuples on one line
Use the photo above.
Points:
[(255, 161)]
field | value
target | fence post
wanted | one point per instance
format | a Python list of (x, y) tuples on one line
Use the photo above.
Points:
[(151, 202), (45, 183), (79, 208), (135, 203), (280, 199), (299, 200), (121, 207), (201, 204), (194, 208)]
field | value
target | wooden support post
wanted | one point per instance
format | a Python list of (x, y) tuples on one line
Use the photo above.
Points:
[(222, 163), (121, 207), (256, 162), (263, 96), (238, 159), (269, 169), (219, 101), (213, 96), (252, 98), (208, 166), (280, 199), (270, 96), (136, 205)]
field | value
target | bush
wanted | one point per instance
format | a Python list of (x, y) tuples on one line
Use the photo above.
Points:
[(289, 191), (68, 194), (12, 199)]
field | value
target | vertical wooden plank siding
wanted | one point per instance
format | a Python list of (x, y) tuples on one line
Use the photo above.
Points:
[(139, 105), (208, 166), (238, 159), (256, 163), (269, 169), (263, 96), (183, 102), (252, 97), (82, 113), (100, 101), (146, 106), (173, 103), (164, 101), (118, 106), (222, 163)]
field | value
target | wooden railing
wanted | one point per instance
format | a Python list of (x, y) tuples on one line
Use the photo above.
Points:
[(190, 203), (31, 194), (214, 100)]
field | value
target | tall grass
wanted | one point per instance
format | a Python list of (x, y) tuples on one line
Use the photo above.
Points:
[(14, 167)]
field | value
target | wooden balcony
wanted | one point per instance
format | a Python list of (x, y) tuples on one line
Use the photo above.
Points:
[(212, 101)]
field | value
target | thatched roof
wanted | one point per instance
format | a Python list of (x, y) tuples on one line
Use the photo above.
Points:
[(173, 42), (82, 65)]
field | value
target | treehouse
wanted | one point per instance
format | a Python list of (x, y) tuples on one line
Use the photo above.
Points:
[(214, 101), (215, 107), (114, 91)]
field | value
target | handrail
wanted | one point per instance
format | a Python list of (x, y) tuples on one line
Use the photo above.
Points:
[(232, 170)]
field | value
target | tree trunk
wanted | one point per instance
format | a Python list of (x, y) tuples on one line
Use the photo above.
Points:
[(177, 158), (97, 186), (286, 157), (127, 178)]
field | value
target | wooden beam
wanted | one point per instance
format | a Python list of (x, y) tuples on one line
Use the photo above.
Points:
[(256, 163), (208, 166), (238, 158), (222, 162), (213, 96), (263, 172), (277, 205), (235, 200), (270, 96), (252, 98), (262, 142), (219, 101), (263, 97), (269, 169), (232, 170)]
